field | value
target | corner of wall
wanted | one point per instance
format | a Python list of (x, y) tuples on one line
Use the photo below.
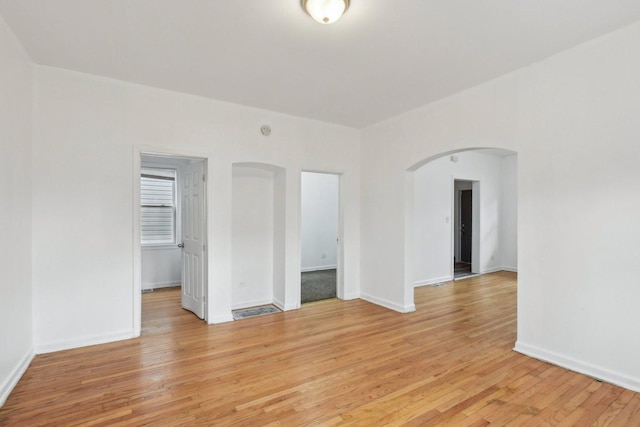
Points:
[(11, 381), (221, 319), (388, 304)]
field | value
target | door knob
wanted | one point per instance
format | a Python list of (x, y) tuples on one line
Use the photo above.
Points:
[(181, 245)]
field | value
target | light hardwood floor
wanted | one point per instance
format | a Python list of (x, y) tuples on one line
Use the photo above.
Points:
[(329, 363)]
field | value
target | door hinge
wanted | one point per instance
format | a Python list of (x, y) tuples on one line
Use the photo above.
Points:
[(204, 248), (204, 178)]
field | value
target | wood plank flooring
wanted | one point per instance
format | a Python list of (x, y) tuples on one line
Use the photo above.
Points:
[(330, 363)]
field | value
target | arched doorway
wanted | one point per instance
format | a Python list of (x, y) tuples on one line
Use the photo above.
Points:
[(434, 227)]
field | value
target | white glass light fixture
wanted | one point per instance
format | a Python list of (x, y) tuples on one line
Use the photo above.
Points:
[(325, 11)]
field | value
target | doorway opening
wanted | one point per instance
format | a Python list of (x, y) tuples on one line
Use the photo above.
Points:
[(172, 229), (320, 236), (465, 236), (435, 188)]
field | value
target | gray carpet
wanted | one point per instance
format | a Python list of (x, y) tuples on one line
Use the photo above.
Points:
[(254, 311), (318, 285)]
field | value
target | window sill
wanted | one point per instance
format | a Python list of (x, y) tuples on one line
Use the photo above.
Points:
[(160, 247)]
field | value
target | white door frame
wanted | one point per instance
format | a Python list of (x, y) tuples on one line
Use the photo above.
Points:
[(138, 152), (340, 292)]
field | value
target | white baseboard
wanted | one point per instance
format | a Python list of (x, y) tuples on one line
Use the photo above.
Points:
[(429, 282), (9, 383), (84, 342), (388, 304), (349, 297), (491, 270), (319, 268), (161, 285), (221, 319), (253, 303), (585, 368), (278, 303), (282, 306)]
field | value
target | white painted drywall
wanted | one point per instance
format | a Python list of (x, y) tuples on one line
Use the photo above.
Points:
[(509, 217), (434, 215), (252, 236), (16, 297), (83, 242), (572, 119), (161, 267), (319, 220), (280, 260)]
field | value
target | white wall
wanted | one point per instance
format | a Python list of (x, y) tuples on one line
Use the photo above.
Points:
[(89, 132), (319, 220), (16, 94), (434, 216), (572, 119), (509, 217), (252, 236), (285, 284), (161, 267)]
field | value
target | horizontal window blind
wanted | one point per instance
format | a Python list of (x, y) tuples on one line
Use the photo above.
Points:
[(158, 211)]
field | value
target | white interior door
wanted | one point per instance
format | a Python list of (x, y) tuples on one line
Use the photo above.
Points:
[(193, 238)]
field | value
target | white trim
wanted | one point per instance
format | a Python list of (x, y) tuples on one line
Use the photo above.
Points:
[(278, 303), (319, 268), (136, 320), (282, 306), (348, 297), (222, 319), (388, 304), (468, 276), (491, 270), (511, 269), (582, 367), (289, 307), (160, 247), (160, 285), (430, 282), (254, 303), (84, 342), (16, 373)]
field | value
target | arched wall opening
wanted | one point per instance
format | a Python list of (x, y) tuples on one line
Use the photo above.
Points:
[(258, 235), (432, 222)]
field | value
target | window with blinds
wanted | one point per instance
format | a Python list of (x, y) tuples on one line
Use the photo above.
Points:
[(158, 206)]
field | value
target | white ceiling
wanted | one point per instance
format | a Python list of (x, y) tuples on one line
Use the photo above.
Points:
[(384, 57)]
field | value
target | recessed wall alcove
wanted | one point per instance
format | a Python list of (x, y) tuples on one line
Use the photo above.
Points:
[(257, 238)]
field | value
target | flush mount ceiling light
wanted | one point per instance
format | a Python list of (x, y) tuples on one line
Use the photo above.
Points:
[(325, 11)]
